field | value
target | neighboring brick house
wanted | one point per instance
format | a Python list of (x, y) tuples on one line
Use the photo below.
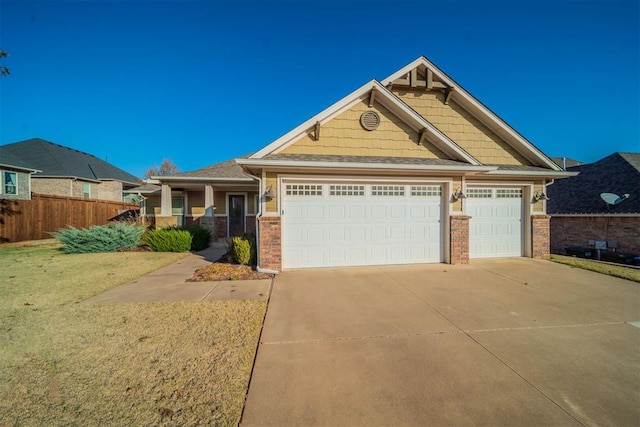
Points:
[(580, 215), (409, 169), (15, 176), (64, 171)]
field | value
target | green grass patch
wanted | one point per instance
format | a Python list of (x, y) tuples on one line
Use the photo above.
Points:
[(603, 268), (67, 363)]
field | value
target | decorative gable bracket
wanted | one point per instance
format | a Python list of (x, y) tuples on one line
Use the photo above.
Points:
[(422, 78)]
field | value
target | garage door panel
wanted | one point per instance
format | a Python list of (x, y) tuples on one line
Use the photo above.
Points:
[(495, 228), (361, 228)]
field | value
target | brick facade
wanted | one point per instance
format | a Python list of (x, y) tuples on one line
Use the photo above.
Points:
[(270, 254), (540, 236), (68, 187), (250, 223), (578, 230), (460, 239), (221, 227)]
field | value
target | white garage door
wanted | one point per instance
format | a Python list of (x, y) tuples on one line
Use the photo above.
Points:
[(329, 225), (495, 228)]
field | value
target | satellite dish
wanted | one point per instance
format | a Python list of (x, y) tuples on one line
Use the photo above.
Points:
[(613, 199)]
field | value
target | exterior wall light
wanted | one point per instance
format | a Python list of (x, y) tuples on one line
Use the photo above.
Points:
[(540, 196), (458, 194), (268, 194)]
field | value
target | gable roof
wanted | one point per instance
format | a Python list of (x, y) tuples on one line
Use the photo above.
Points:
[(618, 173), (388, 100), (227, 170), (55, 160), (8, 159), (566, 162), (480, 111)]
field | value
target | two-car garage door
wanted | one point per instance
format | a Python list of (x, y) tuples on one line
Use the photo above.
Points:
[(349, 224)]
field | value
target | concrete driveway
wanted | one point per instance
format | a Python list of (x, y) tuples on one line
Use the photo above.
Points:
[(499, 342)]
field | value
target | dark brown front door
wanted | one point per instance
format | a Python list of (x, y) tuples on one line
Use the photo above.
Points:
[(236, 215)]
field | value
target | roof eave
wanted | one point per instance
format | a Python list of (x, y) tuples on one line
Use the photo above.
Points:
[(294, 164), (547, 174), (160, 179), (21, 168)]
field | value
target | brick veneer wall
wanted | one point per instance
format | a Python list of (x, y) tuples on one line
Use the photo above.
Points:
[(250, 223), (540, 236), (460, 239), (221, 227), (270, 254), (578, 230)]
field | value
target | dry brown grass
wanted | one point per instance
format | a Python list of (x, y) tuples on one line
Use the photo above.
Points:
[(621, 271), (64, 363)]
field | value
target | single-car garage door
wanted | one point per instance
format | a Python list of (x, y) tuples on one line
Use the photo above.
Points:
[(495, 227), (348, 224)]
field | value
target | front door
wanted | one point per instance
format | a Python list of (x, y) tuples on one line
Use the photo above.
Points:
[(236, 215)]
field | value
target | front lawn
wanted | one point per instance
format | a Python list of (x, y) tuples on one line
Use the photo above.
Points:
[(621, 271), (67, 363)]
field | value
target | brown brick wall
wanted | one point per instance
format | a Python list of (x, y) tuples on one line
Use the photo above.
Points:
[(270, 254), (460, 239), (250, 223), (106, 190), (540, 236), (221, 227), (577, 231)]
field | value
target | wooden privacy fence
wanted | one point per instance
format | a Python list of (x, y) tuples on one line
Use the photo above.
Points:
[(34, 219)]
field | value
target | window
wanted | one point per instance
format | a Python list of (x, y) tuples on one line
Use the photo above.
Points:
[(10, 182), (387, 190), (86, 190), (426, 190), (346, 190), (303, 190), (509, 193), (479, 193)]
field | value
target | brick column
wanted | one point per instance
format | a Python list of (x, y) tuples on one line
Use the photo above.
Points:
[(540, 236), (460, 239), (270, 255)]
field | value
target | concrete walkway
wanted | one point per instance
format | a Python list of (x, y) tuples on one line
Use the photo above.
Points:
[(170, 284), (498, 342)]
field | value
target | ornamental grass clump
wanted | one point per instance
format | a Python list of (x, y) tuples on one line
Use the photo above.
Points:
[(200, 236), (99, 238), (168, 240)]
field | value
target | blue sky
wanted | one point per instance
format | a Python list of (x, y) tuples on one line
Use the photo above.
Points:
[(199, 82)]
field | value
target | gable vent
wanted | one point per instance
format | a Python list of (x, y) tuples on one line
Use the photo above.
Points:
[(369, 120)]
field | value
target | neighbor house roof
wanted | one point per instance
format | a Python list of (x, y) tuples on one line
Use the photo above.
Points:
[(55, 160), (618, 173), (8, 159)]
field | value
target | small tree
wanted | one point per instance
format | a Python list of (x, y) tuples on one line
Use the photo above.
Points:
[(167, 167), (4, 71)]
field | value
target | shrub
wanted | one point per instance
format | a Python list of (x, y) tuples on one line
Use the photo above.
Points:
[(241, 250), (251, 238), (200, 236), (168, 240), (99, 238)]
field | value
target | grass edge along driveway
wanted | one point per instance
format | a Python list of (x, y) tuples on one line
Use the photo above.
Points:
[(65, 363)]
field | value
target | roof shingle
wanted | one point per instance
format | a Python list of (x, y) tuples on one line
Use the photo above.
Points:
[(58, 160)]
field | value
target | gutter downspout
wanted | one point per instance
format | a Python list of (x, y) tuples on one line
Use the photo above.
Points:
[(258, 215)]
